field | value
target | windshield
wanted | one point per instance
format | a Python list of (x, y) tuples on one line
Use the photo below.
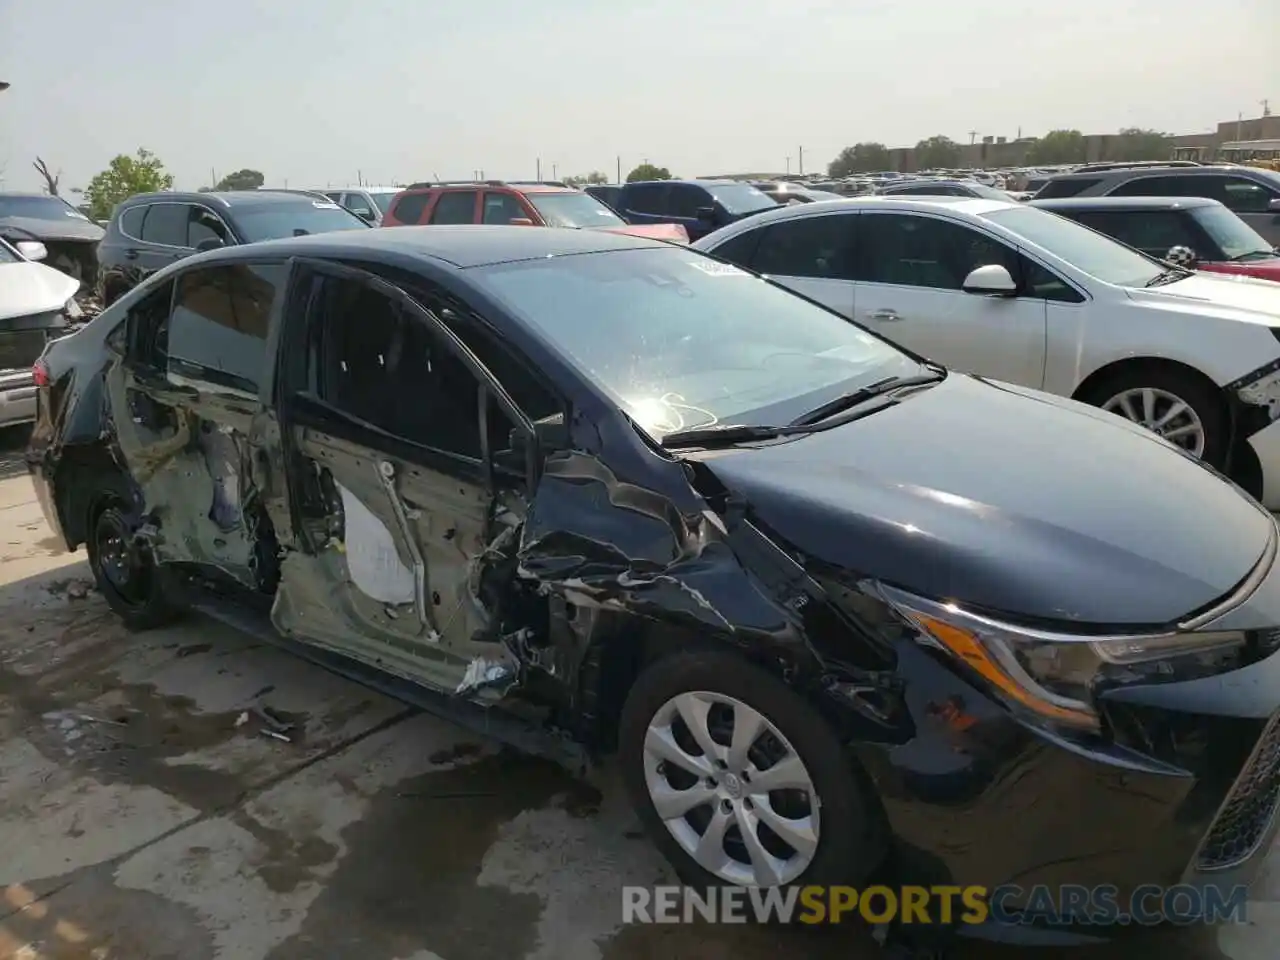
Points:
[(273, 221), (683, 341), (1236, 238), (39, 208), (1097, 255), (741, 197), (573, 210), (383, 200)]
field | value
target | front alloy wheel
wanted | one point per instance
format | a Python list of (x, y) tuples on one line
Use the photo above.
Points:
[(1164, 414), (732, 791)]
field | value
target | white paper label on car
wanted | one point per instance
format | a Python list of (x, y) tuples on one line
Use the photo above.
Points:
[(714, 268), (324, 205)]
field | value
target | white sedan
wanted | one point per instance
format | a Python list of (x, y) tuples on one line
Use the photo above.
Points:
[(1017, 294), (36, 306)]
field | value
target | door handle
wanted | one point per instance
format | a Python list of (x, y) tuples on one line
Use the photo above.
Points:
[(885, 315), (131, 254)]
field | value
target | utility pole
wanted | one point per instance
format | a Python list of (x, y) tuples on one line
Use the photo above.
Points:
[(788, 166), (553, 171), (973, 135), (539, 169), (802, 161), (619, 158), (1266, 107)]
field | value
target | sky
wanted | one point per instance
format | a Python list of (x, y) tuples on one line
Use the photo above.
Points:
[(328, 93)]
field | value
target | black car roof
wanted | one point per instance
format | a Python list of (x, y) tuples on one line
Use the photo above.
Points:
[(1120, 172), (468, 245), (1124, 203)]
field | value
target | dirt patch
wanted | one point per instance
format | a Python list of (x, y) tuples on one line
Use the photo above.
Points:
[(408, 879)]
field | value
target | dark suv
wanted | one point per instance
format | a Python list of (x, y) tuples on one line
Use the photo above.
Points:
[(152, 230), (700, 206), (1250, 193)]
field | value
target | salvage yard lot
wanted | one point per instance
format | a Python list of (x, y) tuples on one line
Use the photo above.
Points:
[(149, 809)]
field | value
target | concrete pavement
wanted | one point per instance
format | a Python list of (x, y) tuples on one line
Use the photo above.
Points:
[(147, 813)]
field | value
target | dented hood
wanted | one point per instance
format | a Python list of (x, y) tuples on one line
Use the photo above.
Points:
[(1008, 500), (658, 231), (27, 288)]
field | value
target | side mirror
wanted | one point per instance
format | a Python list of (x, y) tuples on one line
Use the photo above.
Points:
[(991, 280), (706, 213), (209, 243), (550, 433), (1181, 256), (520, 222), (32, 249), (1273, 206)]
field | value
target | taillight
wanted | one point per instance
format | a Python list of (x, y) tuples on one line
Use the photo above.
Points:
[(40, 374)]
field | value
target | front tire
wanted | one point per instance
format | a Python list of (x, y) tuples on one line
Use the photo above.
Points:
[(1177, 406), (124, 568), (739, 781)]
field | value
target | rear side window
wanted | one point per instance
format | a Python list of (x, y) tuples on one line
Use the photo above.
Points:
[(818, 247), (457, 206), (1061, 187), (131, 222), (685, 199), (645, 197), (218, 331), (411, 207), (1159, 187), (166, 224)]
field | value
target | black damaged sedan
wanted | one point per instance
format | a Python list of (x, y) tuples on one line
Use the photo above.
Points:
[(839, 614)]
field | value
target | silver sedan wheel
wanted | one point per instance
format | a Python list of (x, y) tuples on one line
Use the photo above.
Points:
[(1162, 413), (731, 789)]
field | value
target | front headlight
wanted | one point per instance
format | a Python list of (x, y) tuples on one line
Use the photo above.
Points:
[(1051, 675)]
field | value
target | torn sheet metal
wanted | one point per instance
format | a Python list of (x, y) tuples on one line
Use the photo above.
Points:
[(222, 456), (372, 559)]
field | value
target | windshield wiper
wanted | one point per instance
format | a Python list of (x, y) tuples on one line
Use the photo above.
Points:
[(1253, 255), (729, 433), (855, 397), (1168, 275)]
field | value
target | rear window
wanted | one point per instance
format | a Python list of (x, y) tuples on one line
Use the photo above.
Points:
[(289, 218), (1060, 187), (573, 210), (741, 197), (39, 208)]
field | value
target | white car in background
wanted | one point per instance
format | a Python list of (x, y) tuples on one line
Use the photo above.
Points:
[(36, 305), (1017, 294)]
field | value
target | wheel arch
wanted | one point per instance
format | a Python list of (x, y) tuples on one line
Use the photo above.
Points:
[(1128, 364), (78, 477)]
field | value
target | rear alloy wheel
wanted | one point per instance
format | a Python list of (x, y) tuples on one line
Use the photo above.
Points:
[(738, 780), (124, 567)]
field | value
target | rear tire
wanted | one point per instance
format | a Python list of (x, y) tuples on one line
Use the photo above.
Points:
[(137, 588), (832, 825), (1173, 404)]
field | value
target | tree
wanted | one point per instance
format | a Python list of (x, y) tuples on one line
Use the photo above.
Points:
[(245, 179), (860, 158), (125, 176), (586, 179), (50, 179), (937, 152), (647, 171), (1134, 143), (1058, 146)]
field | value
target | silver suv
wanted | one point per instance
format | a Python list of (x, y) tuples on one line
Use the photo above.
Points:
[(1251, 193), (367, 203)]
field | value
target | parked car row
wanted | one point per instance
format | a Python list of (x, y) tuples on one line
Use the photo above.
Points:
[(834, 608)]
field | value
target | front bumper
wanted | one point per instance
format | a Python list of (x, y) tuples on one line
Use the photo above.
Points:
[(1182, 793), (1266, 447), (17, 397)]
